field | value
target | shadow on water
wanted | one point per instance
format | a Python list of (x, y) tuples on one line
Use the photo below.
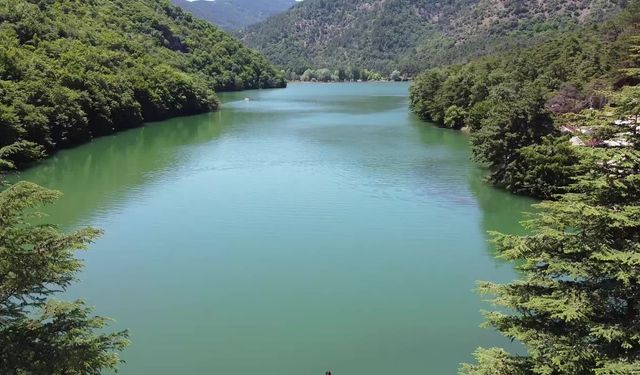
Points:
[(501, 210), (104, 173)]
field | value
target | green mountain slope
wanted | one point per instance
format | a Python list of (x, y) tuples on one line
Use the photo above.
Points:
[(519, 106), (71, 70), (234, 14), (411, 35)]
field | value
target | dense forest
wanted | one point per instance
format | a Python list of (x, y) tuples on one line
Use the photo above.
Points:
[(516, 104), (72, 70), (234, 15), (558, 121), (411, 35)]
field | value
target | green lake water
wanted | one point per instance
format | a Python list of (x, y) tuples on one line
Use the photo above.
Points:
[(317, 227)]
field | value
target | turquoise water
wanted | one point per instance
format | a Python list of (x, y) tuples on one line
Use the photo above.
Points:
[(316, 227)]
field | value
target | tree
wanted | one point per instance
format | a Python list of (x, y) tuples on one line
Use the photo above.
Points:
[(629, 104), (577, 305), (39, 335), (516, 119), (356, 74), (308, 75), (342, 74), (323, 75), (395, 76), (17, 154), (374, 76), (454, 117), (628, 100), (423, 95), (545, 170), (635, 55)]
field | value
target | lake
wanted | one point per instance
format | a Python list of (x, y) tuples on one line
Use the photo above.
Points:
[(318, 227)]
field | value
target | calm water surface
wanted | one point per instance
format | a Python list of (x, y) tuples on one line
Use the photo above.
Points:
[(311, 228)]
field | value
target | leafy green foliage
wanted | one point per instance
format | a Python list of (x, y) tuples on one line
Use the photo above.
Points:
[(411, 35), (72, 70), (39, 335)]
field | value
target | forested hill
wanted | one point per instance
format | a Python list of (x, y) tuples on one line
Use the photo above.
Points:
[(410, 35), (71, 70), (234, 14), (522, 108)]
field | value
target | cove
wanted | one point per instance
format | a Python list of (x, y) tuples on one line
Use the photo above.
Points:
[(317, 227)]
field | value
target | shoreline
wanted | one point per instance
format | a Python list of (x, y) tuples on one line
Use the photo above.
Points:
[(219, 105)]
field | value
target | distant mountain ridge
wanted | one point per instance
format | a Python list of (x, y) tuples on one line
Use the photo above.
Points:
[(234, 14), (411, 35)]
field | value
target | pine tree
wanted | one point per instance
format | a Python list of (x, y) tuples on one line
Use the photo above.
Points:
[(635, 54), (576, 307), (39, 335)]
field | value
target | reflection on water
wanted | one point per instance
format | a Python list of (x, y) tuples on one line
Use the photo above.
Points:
[(311, 228), (105, 174)]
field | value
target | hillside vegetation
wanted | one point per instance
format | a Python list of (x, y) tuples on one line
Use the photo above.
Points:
[(513, 102), (559, 121), (71, 70), (234, 14), (410, 35)]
